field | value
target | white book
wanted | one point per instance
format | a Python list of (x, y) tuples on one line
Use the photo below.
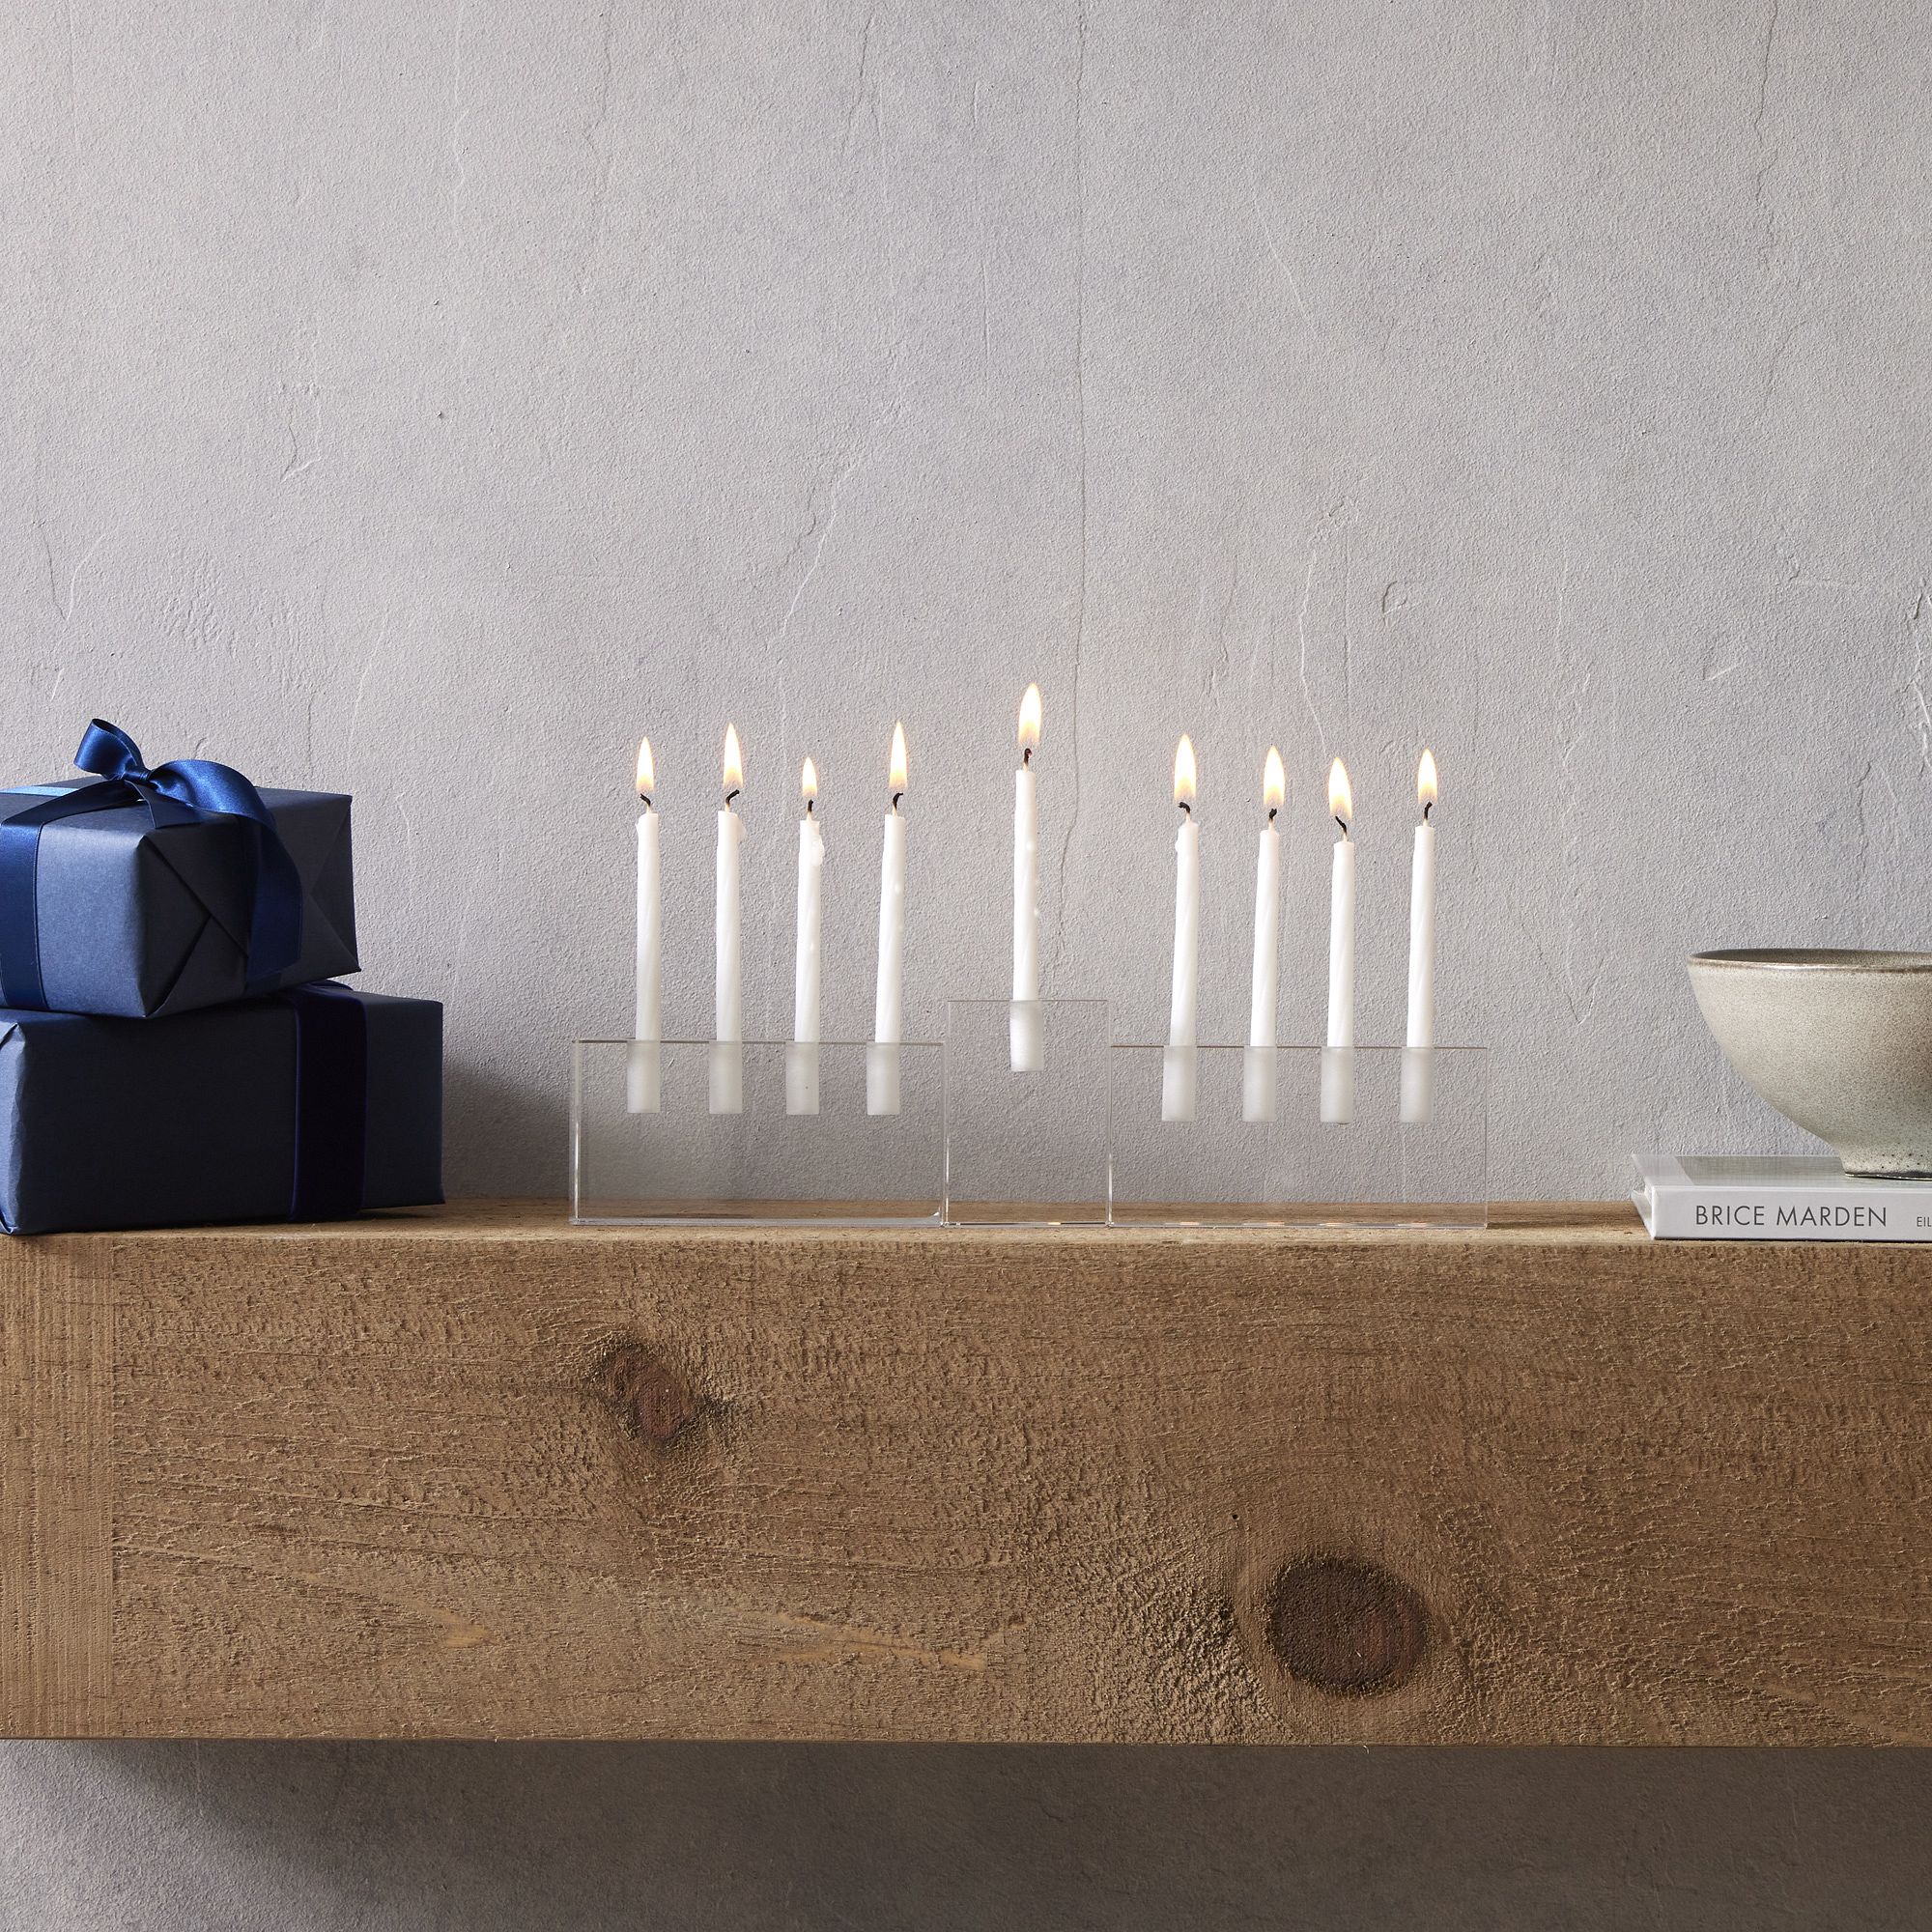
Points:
[(1712, 1198)]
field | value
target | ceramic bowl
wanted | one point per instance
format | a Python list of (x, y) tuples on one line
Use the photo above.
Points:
[(1840, 1043)]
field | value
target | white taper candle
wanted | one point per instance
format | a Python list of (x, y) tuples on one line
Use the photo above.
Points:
[(728, 1052), (1338, 1060), (1258, 1064), (802, 1058), (882, 1060), (1178, 1063), (1418, 1059)]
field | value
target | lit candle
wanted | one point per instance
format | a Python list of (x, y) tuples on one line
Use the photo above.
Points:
[(882, 1059), (643, 1077), (1024, 1030), (802, 1059), (1178, 1062), (728, 1052), (1338, 1060), (1418, 1059), (1258, 1065)]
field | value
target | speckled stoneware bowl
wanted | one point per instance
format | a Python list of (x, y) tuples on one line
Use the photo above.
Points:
[(1840, 1042)]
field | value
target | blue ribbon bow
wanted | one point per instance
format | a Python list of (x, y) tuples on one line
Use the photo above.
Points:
[(189, 791)]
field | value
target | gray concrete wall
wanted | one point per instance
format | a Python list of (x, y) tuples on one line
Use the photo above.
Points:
[(425, 400)]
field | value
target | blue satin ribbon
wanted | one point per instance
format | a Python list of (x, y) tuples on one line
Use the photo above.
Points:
[(189, 791), (331, 1101)]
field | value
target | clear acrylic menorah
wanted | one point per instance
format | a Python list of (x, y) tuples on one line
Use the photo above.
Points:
[(761, 1131), (1028, 1115)]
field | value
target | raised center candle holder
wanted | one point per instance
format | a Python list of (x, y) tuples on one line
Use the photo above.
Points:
[(1027, 1147), (801, 1143)]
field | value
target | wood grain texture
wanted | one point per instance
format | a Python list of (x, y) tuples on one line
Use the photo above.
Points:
[(480, 1473), (56, 1555)]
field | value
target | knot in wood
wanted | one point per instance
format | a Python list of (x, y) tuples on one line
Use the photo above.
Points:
[(649, 1398), (1344, 1627)]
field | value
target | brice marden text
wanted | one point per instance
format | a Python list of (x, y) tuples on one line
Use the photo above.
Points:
[(1756, 1214)]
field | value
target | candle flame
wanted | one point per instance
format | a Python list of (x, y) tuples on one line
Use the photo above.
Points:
[(734, 763), (1274, 782), (1030, 719), (648, 769), (808, 781), (895, 774), (1183, 772), (1425, 781), (1341, 800)]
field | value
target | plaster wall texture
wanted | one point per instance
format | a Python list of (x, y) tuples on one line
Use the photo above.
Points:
[(424, 401)]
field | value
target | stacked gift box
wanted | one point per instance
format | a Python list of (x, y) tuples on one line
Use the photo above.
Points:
[(174, 1047)]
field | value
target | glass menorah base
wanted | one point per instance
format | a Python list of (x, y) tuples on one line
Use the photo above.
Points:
[(1028, 1115)]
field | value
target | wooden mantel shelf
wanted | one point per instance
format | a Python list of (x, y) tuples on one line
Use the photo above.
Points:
[(477, 1474)]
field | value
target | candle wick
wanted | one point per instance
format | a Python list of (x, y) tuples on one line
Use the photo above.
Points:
[(1343, 823), (1186, 809), (809, 804), (646, 798), (729, 796), (1026, 755), (1272, 810), (1428, 806), (896, 796)]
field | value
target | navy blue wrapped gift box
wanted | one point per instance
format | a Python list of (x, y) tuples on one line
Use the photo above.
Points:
[(139, 919), (307, 1105)]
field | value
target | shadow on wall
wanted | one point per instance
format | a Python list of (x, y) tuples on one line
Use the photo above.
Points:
[(749, 1837), (505, 1136)]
